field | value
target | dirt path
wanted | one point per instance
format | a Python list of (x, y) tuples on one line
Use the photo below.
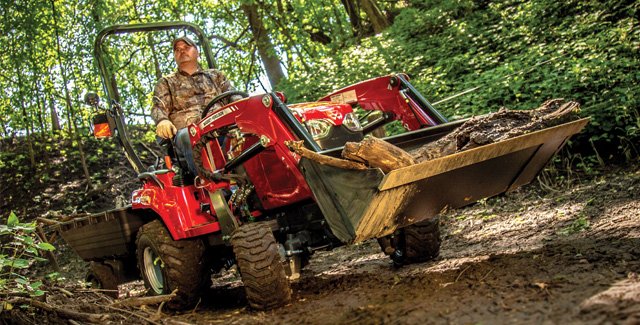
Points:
[(569, 256)]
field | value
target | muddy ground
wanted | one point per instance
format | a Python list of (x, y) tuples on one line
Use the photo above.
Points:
[(563, 251), (568, 254)]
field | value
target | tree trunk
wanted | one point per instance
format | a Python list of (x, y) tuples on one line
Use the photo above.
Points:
[(40, 113), (353, 12), (377, 18), (73, 131), (55, 121), (4, 133), (154, 55), (501, 125), (266, 50), (49, 90), (339, 21), (41, 106), (25, 120)]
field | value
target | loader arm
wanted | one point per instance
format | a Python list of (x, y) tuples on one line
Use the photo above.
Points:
[(395, 96)]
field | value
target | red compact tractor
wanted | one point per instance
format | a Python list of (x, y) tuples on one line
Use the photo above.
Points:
[(258, 205)]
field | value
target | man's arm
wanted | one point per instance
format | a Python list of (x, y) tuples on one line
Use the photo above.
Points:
[(161, 109), (161, 101)]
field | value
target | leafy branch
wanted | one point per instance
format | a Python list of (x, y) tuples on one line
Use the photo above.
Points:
[(21, 248)]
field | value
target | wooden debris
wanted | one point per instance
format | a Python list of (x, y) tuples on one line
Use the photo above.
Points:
[(65, 291), (377, 153), (48, 222), (498, 126), (298, 147), (478, 131), (49, 254), (139, 301), (148, 320), (65, 313)]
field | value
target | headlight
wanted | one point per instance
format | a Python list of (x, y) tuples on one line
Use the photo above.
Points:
[(318, 128), (351, 122)]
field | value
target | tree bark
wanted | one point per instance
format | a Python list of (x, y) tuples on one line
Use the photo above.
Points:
[(141, 301), (298, 147), (40, 112), (154, 55), (353, 12), (55, 121), (25, 119), (339, 21), (377, 18), (377, 153), (266, 50)]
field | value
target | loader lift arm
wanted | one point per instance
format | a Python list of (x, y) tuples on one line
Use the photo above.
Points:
[(395, 96)]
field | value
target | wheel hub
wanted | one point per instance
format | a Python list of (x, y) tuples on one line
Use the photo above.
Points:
[(153, 270)]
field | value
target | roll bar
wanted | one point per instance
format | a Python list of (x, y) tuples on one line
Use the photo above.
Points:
[(110, 88)]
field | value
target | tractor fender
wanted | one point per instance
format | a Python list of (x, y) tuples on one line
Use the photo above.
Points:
[(168, 211)]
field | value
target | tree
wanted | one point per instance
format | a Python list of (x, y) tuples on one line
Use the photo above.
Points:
[(372, 10), (353, 10), (266, 50), (73, 131), (378, 20)]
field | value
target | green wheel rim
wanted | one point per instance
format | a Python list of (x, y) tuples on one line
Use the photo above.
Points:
[(153, 271)]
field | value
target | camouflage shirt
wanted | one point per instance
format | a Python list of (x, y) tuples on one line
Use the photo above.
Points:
[(180, 97)]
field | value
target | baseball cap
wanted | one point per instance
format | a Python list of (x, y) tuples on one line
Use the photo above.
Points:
[(185, 39)]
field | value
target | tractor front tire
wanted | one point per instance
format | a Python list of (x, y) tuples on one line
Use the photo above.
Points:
[(167, 264), (101, 276), (260, 266), (414, 244), (422, 241)]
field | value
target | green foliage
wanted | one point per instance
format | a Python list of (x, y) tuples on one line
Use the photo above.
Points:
[(519, 54), (576, 226), (20, 249), (149, 136)]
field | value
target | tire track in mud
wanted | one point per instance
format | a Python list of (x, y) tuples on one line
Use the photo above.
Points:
[(572, 257)]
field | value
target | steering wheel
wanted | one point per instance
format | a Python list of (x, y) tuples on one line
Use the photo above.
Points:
[(220, 97)]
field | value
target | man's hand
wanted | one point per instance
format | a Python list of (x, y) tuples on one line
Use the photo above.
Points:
[(166, 129)]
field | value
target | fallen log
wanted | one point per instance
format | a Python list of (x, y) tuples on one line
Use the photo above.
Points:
[(377, 153), (298, 147)]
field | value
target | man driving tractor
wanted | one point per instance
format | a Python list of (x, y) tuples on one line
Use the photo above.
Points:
[(178, 98)]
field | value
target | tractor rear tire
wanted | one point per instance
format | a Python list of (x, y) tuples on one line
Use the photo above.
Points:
[(414, 244), (167, 264), (101, 276), (260, 266)]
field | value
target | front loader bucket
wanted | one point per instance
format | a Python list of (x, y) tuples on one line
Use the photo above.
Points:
[(363, 204)]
